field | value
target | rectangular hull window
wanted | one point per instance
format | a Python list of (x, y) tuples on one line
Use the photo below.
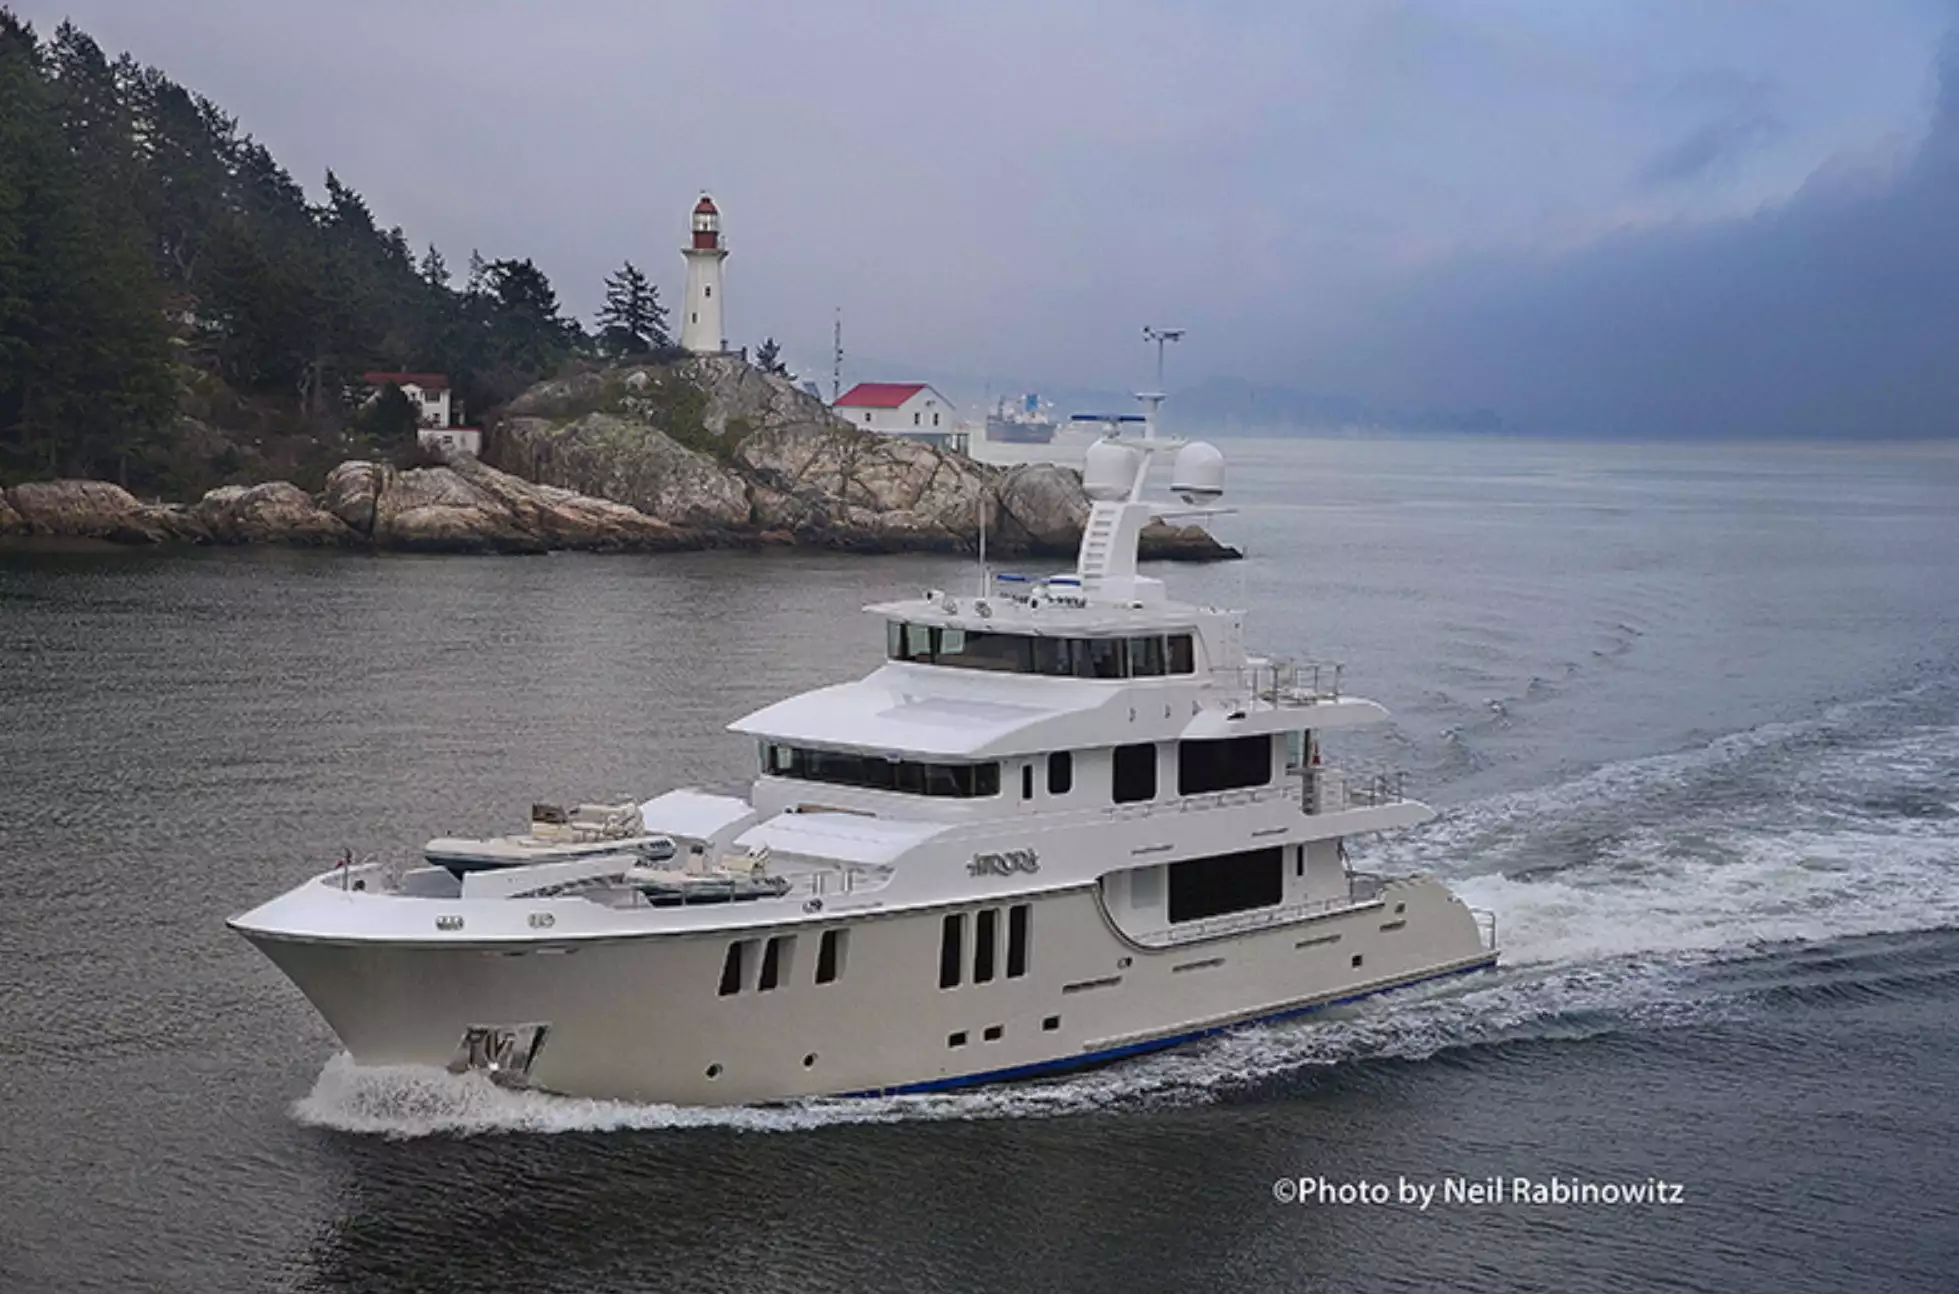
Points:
[(731, 968), (1135, 773), (1061, 772), (829, 956), (1226, 883), (951, 941), (1017, 940), (1223, 765), (776, 956), (985, 936)]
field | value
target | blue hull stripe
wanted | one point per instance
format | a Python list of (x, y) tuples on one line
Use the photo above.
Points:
[(1063, 1064)]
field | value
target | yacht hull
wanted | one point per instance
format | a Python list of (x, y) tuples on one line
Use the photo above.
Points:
[(644, 1016)]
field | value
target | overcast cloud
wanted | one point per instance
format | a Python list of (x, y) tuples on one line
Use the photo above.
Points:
[(1623, 215)]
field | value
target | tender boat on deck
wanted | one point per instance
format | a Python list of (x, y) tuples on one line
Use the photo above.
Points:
[(1068, 820), (557, 835)]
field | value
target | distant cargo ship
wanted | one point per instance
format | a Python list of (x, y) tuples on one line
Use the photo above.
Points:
[(1021, 422)]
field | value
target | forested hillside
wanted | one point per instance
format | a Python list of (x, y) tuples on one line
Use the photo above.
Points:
[(160, 274)]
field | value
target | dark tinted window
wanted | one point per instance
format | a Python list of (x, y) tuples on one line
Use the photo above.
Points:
[(1100, 657), (847, 768), (828, 956), (1211, 887), (951, 938), (1144, 657), (1135, 773), (985, 937), (1183, 657), (1017, 941), (731, 969), (772, 953), (1204, 766), (1026, 781), (1061, 772)]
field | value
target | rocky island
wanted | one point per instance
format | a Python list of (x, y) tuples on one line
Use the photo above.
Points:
[(704, 452)]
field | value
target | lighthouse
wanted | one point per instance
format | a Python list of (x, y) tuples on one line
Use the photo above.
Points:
[(700, 325)]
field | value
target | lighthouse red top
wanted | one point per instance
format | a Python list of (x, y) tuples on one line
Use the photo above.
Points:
[(707, 224)]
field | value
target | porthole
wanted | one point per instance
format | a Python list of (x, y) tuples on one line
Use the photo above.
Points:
[(1052, 1023), (956, 1039), (993, 1032), (809, 1061), (714, 1071), (1357, 961)]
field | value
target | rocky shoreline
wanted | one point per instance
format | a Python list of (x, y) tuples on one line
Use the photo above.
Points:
[(469, 507), (710, 453)]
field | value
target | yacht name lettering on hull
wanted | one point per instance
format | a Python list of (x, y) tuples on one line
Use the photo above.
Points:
[(1005, 863)]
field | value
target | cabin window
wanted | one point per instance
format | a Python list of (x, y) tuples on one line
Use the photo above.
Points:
[(916, 419), (1061, 772), (706, 291), (1135, 773), (1145, 657), (951, 940), (731, 968), (1226, 883), (875, 772), (776, 956), (1224, 764), (986, 933), (1017, 916), (829, 955), (1026, 781), (1102, 658)]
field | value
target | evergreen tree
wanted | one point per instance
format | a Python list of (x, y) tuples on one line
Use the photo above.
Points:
[(632, 321)]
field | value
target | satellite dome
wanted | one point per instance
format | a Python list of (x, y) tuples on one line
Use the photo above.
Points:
[(1108, 471), (1198, 476)]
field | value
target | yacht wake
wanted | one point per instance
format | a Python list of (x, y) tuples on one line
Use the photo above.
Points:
[(1621, 897)]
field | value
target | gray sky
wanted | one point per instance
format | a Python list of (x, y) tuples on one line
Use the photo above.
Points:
[(1633, 215)]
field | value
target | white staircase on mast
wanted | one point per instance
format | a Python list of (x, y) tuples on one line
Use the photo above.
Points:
[(1098, 542)]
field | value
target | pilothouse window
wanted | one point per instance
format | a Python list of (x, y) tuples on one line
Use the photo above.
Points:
[(1146, 657), (875, 772)]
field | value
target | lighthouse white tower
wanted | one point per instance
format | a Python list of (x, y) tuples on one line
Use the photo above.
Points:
[(700, 325)]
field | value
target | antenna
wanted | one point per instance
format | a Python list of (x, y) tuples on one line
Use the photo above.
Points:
[(1159, 336), (982, 544), (836, 359)]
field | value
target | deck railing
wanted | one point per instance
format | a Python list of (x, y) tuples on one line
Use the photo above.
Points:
[(1334, 790), (1291, 683)]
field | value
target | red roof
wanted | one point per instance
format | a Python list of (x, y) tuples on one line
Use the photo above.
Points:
[(880, 395), (706, 206), (427, 381)]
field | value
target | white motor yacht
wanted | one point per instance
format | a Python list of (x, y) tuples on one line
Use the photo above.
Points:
[(1068, 820)]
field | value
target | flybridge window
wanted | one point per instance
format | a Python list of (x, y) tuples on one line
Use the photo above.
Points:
[(875, 772), (1146, 657)]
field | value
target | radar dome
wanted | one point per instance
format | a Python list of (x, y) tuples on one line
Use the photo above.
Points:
[(1198, 476), (1108, 471)]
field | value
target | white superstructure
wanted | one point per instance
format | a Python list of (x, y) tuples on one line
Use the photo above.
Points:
[(700, 320), (1068, 820)]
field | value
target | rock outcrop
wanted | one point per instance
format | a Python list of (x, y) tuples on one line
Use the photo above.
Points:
[(11, 522), (714, 444), (85, 509), (277, 512)]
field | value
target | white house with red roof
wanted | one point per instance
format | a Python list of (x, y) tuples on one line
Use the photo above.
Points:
[(911, 409), (429, 394)]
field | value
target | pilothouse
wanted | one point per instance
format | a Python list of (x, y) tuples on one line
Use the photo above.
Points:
[(1068, 820)]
